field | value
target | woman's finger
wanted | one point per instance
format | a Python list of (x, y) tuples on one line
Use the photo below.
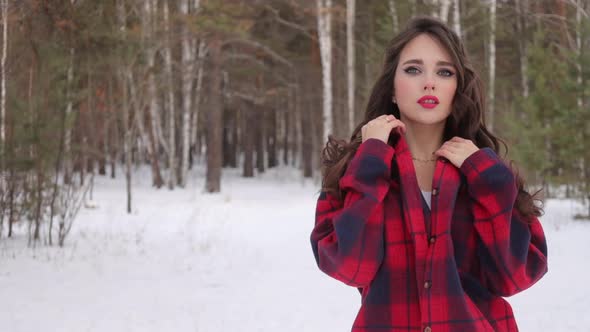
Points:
[(451, 145), (398, 124), (458, 139), (452, 148), (442, 152)]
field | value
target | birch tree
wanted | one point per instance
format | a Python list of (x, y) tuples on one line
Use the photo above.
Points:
[(68, 111), (579, 51), (127, 137), (187, 64), (324, 18), (4, 5), (444, 10), (393, 14), (201, 54), (155, 134), (214, 119), (435, 8), (3, 182), (492, 65), (522, 8), (171, 106), (456, 18), (350, 49), (581, 101)]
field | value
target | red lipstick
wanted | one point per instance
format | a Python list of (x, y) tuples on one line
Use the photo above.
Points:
[(428, 101)]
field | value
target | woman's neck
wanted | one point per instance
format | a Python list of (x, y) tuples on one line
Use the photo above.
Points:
[(423, 140)]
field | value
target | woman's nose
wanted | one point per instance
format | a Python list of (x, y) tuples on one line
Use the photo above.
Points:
[(429, 85)]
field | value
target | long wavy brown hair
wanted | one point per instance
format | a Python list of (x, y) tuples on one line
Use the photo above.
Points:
[(466, 120)]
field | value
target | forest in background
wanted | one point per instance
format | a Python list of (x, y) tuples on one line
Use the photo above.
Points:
[(93, 88)]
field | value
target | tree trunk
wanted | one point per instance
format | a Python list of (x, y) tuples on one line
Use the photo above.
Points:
[(350, 57), (145, 138), (12, 206), (214, 119), (68, 129), (444, 10), (170, 99), (579, 51), (394, 18), (339, 66), (38, 201), (435, 9), (106, 138), (259, 138), (248, 122), (369, 49), (271, 137), (155, 129), (492, 66), (324, 13), (55, 192), (457, 18), (229, 137), (522, 8), (127, 151), (127, 138), (201, 53), (233, 148), (287, 123), (3, 171), (114, 148), (307, 133), (3, 100), (127, 145), (187, 60)]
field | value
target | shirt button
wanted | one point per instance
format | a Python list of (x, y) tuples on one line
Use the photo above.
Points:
[(432, 239), (427, 284), (434, 191), (427, 329)]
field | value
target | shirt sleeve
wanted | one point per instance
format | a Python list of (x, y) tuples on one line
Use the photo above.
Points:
[(512, 251), (347, 240)]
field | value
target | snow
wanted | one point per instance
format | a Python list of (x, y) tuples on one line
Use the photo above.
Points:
[(239, 260)]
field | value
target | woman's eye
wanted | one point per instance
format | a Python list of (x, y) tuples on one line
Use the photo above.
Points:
[(446, 72), (411, 70)]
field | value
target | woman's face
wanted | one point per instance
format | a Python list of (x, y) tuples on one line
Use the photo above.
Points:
[(425, 69)]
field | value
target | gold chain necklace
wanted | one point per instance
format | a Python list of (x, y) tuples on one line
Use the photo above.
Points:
[(424, 160)]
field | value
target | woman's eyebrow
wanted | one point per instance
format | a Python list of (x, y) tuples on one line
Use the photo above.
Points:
[(420, 62)]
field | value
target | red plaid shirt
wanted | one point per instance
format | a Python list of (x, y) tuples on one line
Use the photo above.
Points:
[(420, 269)]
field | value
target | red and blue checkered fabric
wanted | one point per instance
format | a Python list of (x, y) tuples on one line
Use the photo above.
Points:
[(419, 269)]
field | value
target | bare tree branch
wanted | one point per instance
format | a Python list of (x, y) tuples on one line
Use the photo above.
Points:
[(259, 46)]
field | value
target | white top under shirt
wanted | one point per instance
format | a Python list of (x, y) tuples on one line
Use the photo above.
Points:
[(427, 196)]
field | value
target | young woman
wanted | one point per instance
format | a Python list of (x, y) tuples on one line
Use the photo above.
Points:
[(418, 211)]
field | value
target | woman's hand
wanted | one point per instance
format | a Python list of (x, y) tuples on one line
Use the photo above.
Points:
[(380, 127), (456, 150)]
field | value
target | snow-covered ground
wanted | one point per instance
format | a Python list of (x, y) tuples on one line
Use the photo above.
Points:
[(238, 261)]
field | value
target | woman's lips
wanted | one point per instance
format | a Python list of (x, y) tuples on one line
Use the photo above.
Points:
[(423, 101), (428, 105)]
